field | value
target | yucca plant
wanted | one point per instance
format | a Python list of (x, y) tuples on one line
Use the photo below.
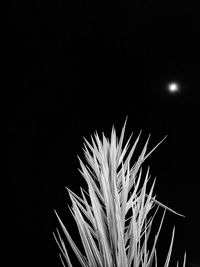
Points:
[(117, 206)]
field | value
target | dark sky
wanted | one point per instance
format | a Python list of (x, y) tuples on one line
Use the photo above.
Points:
[(74, 67)]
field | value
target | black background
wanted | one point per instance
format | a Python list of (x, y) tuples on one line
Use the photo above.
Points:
[(74, 67)]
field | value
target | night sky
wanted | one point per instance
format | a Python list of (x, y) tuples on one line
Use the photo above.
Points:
[(76, 67)]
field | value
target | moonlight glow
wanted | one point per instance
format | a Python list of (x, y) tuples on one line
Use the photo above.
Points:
[(173, 87)]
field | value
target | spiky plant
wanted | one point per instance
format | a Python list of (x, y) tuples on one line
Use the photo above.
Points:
[(117, 207)]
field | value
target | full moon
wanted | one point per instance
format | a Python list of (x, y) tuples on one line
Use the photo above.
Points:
[(173, 87)]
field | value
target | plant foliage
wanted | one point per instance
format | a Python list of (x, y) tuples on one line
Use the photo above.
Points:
[(110, 237)]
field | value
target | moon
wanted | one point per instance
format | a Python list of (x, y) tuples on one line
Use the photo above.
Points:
[(173, 87)]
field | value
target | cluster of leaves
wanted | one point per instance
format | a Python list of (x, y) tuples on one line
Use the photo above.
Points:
[(109, 236)]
